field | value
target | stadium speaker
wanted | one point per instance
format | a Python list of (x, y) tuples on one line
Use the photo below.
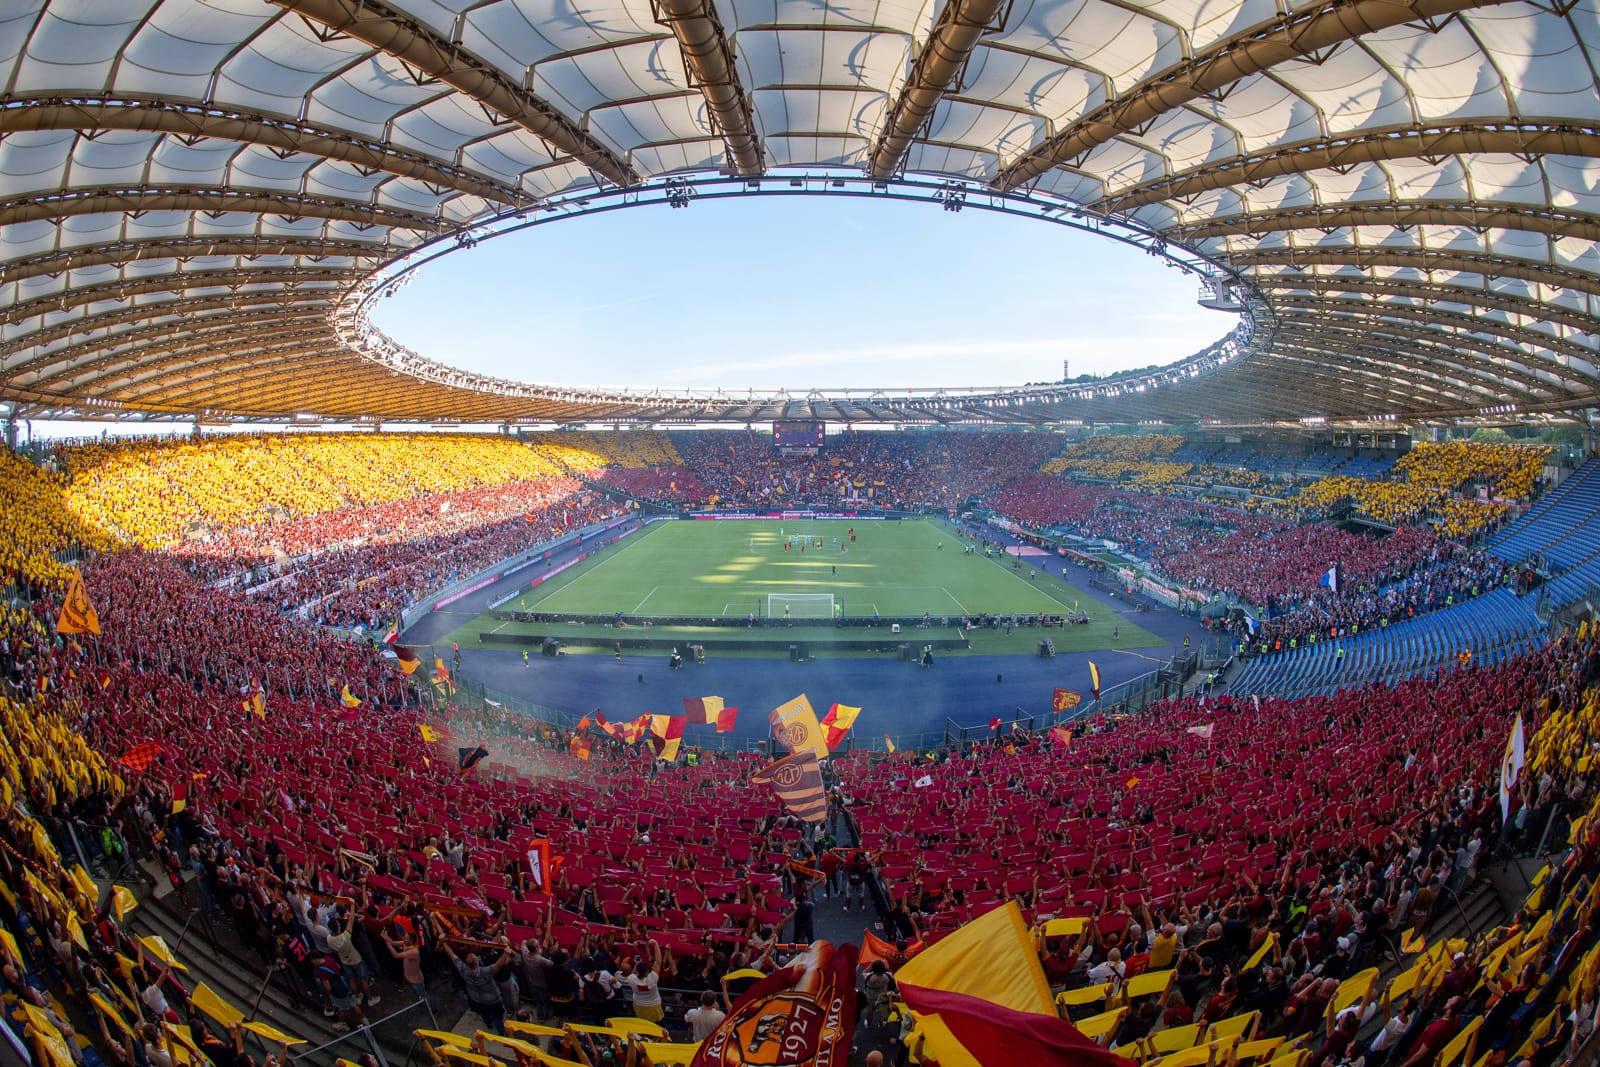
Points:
[(805, 653), (551, 647), (794, 653), (904, 653), (1047, 649)]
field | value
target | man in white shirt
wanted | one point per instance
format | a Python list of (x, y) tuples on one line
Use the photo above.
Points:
[(704, 1020)]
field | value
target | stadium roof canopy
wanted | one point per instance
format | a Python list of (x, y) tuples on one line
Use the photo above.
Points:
[(195, 194)]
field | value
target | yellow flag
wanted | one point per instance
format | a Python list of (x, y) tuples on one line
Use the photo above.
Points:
[(349, 699), (122, 901), (77, 614), (796, 727), (214, 1006)]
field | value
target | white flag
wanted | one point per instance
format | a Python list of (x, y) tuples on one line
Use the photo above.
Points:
[(923, 782), (1202, 732), (1511, 766)]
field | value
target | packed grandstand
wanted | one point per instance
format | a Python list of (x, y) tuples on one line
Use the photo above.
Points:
[(236, 830)]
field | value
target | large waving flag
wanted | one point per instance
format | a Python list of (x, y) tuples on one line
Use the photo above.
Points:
[(666, 734), (469, 757), (708, 711), (1330, 580), (77, 615), (611, 728), (798, 780), (702, 711), (1511, 766), (349, 699), (406, 660), (579, 746), (803, 1015), (139, 757), (441, 677), (1064, 700), (836, 724), (429, 733), (980, 996), (1094, 679), (635, 731), (796, 727)]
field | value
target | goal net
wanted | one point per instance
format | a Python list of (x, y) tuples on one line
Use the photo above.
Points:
[(799, 605)]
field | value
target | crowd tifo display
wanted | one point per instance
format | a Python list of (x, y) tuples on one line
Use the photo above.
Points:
[(1211, 880)]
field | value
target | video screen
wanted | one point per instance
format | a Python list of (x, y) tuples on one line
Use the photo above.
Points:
[(795, 434)]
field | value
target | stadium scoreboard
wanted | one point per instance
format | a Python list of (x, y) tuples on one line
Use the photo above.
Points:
[(797, 433)]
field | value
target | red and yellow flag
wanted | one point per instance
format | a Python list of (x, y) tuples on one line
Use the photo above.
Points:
[(804, 1013), (798, 780), (836, 724), (795, 726), (980, 996), (666, 734), (1065, 699), (77, 615), (1094, 679)]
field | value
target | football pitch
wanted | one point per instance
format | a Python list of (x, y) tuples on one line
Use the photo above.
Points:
[(729, 569)]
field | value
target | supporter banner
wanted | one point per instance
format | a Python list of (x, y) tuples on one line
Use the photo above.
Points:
[(482, 583), (1159, 591), (799, 1016), (552, 572), (738, 515)]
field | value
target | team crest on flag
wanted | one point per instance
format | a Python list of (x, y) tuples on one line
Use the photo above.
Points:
[(798, 780), (795, 726), (1064, 700), (803, 1015), (77, 614)]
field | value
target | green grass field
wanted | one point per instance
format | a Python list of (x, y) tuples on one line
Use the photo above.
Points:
[(728, 568)]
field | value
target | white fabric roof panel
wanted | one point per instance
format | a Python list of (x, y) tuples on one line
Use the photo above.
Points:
[(1404, 164)]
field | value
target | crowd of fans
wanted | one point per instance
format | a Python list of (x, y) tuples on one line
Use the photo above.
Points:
[(36, 527), (910, 470), (358, 858)]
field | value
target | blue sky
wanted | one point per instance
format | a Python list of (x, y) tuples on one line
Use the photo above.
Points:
[(799, 292)]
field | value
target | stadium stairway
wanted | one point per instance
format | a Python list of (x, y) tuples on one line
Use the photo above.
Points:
[(237, 974), (1493, 627)]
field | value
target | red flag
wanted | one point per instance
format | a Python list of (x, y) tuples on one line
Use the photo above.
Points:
[(995, 1034), (1064, 700), (726, 718), (139, 757)]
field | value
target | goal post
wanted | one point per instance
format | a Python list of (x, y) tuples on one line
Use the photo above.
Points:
[(799, 605)]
